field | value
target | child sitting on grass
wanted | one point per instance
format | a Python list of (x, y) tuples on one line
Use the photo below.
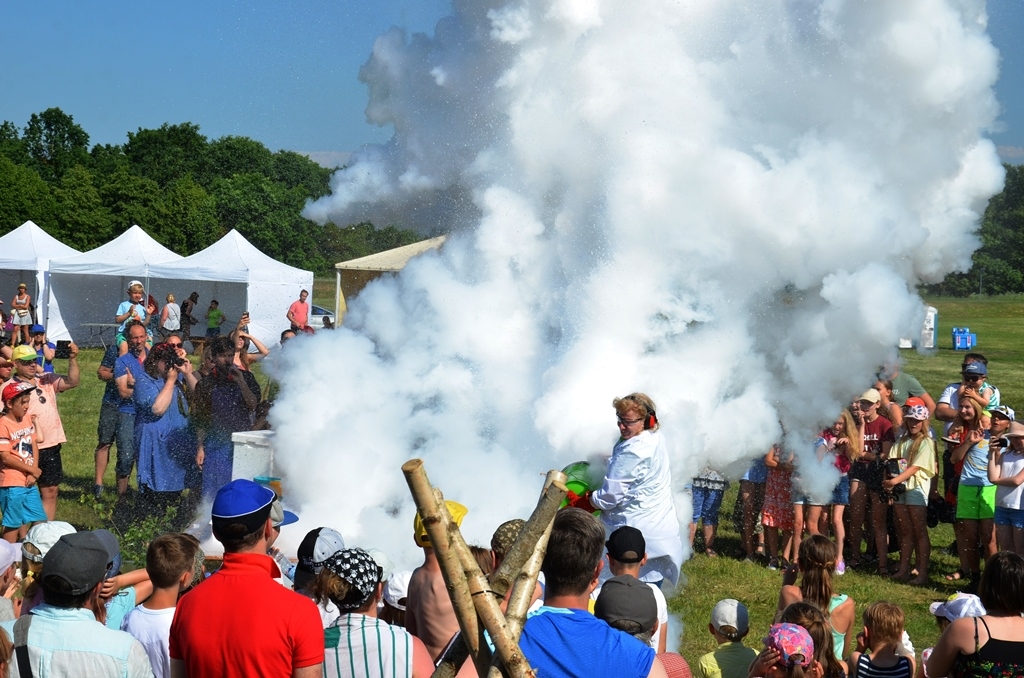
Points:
[(20, 501), (729, 625), (880, 645), (958, 606), (788, 653)]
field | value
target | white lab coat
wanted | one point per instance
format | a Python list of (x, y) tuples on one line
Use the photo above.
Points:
[(637, 491)]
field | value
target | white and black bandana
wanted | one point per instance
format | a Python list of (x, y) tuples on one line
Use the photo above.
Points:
[(358, 568)]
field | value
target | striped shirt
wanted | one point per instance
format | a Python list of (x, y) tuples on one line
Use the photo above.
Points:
[(867, 669), (365, 647)]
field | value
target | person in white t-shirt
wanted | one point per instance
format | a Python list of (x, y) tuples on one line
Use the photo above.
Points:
[(626, 555), (170, 562)]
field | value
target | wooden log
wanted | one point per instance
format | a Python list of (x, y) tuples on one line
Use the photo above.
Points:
[(439, 530)]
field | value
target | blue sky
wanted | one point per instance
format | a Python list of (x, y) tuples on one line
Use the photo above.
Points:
[(282, 73)]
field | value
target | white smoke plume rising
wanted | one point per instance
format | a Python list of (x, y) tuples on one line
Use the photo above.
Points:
[(726, 205)]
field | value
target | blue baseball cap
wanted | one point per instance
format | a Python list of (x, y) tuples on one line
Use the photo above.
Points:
[(975, 368), (242, 501), (37, 329)]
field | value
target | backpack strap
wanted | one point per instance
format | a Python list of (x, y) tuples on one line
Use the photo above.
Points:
[(21, 645)]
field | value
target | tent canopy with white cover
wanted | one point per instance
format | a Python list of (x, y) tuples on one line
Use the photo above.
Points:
[(25, 256), (241, 278), (88, 287)]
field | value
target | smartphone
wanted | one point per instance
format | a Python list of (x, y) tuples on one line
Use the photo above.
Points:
[(63, 350)]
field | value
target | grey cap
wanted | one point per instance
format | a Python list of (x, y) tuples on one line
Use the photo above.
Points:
[(75, 564)]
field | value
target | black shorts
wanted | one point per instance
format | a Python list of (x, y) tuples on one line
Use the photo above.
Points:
[(869, 473), (51, 465)]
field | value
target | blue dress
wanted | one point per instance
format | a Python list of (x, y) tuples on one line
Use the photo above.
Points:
[(166, 443)]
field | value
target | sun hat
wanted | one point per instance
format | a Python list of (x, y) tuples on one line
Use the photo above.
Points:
[(241, 501), (1016, 430), (958, 606), (75, 564), (317, 546), (22, 286), (15, 389), (396, 591), (458, 512), (627, 545), (791, 641), (730, 612), (43, 536), (975, 368), (9, 554), (627, 598), (1005, 411), (918, 412), (871, 395), (24, 352)]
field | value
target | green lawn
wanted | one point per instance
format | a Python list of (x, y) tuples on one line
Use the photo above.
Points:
[(997, 321)]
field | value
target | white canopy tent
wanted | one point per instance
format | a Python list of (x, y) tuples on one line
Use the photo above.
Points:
[(241, 278), (25, 256), (88, 287)]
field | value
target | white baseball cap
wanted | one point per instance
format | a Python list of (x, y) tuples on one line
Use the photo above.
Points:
[(730, 612), (959, 606)]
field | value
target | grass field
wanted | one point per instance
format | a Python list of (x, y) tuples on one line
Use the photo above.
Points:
[(999, 322)]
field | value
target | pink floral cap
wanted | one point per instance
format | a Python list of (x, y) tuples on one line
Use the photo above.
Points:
[(791, 641)]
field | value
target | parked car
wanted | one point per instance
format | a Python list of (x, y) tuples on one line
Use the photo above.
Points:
[(317, 315)]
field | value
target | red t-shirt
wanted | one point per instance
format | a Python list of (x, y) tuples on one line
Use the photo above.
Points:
[(300, 313), (240, 622), (877, 432)]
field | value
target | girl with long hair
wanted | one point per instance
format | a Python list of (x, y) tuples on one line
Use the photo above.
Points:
[(845, 441), (813, 619), (816, 567), (915, 453), (976, 495)]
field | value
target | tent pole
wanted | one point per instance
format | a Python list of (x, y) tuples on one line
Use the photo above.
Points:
[(337, 296)]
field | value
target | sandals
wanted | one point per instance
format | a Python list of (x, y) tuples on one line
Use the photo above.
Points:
[(956, 575), (710, 552)]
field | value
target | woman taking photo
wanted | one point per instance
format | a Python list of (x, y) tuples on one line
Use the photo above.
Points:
[(915, 453), (165, 444), (1006, 472), (637, 489)]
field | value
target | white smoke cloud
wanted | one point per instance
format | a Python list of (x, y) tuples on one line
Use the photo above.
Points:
[(724, 205)]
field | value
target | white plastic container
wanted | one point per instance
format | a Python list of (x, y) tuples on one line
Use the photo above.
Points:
[(254, 454)]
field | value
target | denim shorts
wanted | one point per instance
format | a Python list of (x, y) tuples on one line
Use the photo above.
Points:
[(841, 493), (1009, 516), (706, 504), (914, 497), (757, 473)]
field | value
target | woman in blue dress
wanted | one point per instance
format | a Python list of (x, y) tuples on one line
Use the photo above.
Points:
[(165, 442)]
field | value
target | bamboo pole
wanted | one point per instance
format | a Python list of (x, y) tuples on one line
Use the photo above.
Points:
[(451, 569)]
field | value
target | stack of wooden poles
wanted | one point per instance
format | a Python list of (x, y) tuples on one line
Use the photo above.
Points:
[(477, 600)]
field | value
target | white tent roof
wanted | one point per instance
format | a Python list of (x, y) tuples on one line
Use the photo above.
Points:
[(230, 259), (26, 245), (130, 254), (391, 260)]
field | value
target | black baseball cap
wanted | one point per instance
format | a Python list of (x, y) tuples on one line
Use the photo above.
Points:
[(627, 545)]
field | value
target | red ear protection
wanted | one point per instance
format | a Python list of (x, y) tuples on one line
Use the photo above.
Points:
[(650, 422)]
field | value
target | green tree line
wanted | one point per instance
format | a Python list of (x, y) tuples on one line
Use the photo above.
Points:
[(185, 190), (998, 265)]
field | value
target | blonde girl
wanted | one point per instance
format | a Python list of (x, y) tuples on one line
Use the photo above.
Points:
[(915, 451)]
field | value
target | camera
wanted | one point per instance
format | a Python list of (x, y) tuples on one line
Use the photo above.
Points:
[(177, 361), (999, 442)]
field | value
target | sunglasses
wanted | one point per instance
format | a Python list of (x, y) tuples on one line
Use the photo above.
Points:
[(629, 422)]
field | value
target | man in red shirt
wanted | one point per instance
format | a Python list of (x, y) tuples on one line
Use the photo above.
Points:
[(298, 313), (240, 621)]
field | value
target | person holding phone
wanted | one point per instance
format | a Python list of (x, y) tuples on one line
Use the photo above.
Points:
[(46, 350)]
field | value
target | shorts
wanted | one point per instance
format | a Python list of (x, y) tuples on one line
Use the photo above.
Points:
[(52, 467), (213, 331), (757, 473), (706, 504), (1011, 517), (841, 492), (125, 444), (21, 506), (868, 473), (915, 497), (975, 502), (106, 430)]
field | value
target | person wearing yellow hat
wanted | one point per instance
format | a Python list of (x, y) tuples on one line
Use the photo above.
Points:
[(429, 614)]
